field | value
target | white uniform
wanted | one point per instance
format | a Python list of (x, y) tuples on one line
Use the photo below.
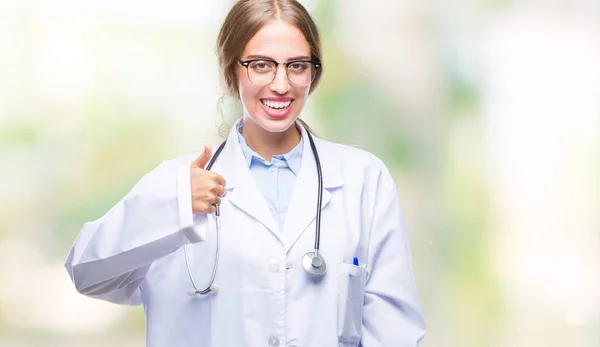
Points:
[(134, 255)]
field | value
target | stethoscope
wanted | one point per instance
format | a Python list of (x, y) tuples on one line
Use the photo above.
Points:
[(312, 262)]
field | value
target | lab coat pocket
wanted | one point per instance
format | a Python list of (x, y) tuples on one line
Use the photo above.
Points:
[(351, 289)]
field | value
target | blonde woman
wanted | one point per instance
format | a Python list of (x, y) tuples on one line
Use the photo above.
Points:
[(288, 239)]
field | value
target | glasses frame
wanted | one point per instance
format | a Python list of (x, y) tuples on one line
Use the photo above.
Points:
[(316, 64)]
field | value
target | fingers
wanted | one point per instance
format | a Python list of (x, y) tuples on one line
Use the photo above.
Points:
[(219, 179), (223, 192), (204, 207), (215, 199), (207, 186), (216, 184), (213, 196), (203, 159), (210, 208), (201, 162)]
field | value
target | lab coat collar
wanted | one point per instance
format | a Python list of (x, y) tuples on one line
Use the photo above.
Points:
[(293, 159), (244, 193)]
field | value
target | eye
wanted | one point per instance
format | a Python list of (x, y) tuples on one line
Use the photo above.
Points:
[(261, 66), (298, 66)]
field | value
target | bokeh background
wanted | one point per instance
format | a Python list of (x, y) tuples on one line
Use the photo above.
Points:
[(487, 112)]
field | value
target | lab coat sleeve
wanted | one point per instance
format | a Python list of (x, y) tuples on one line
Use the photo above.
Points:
[(392, 315), (111, 256)]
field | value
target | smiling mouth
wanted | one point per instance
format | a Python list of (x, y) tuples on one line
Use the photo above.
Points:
[(276, 105), (276, 109)]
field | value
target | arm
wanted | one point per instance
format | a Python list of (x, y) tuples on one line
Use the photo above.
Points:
[(392, 314), (111, 256)]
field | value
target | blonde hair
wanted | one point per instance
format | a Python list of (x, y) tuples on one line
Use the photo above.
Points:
[(244, 20)]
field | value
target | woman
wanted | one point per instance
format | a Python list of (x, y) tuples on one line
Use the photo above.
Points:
[(358, 289)]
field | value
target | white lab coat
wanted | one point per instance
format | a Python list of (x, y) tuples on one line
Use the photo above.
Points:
[(134, 255)]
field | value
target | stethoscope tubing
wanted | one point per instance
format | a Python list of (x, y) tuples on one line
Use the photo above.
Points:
[(315, 256), (208, 289), (319, 194)]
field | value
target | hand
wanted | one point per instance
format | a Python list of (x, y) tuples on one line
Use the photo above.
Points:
[(207, 186)]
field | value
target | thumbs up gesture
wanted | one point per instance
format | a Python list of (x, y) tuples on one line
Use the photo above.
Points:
[(207, 186)]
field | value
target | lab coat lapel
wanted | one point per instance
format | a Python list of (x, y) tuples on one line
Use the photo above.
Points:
[(242, 190), (303, 205)]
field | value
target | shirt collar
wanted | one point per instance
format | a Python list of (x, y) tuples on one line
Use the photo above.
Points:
[(293, 158)]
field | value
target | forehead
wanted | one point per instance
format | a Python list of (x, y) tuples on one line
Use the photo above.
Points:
[(278, 40)]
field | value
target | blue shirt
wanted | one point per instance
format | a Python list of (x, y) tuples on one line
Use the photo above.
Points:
[(276, 178)]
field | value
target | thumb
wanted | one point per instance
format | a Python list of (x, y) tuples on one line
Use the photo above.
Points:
[(203, 159)]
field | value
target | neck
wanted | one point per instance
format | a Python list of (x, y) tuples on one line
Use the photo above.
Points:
[(268, 144)]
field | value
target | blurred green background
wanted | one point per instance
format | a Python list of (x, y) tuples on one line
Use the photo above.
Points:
[(487, 113)]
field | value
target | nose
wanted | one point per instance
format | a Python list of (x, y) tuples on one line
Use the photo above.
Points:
[(280, 84)]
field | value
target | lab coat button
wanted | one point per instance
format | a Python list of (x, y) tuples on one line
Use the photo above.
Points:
[(274, 265), (273, 341)]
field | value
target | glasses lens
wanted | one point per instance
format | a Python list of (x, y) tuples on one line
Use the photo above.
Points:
[(301, 73), (261, 72)]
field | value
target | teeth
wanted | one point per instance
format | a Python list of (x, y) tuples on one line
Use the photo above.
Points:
[(275, 104)]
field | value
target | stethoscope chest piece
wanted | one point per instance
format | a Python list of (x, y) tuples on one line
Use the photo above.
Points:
[(314, 264)]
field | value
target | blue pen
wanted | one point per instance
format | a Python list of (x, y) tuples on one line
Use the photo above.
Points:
[(355, 261)]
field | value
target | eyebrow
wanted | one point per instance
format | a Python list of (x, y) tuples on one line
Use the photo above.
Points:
[(253, 56)]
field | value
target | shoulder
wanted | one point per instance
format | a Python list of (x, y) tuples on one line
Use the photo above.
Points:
[(352, 161)]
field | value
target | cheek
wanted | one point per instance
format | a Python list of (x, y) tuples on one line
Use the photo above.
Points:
[(306, 92), (302, 93), (246, 88), (248, 92)]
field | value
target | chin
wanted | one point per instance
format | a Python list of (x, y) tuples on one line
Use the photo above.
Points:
[(274, 126), (270, 124)]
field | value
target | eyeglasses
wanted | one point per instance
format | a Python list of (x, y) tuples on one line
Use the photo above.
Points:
[(300, 73)]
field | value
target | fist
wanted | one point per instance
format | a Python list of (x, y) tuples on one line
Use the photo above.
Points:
[(207, 187)]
